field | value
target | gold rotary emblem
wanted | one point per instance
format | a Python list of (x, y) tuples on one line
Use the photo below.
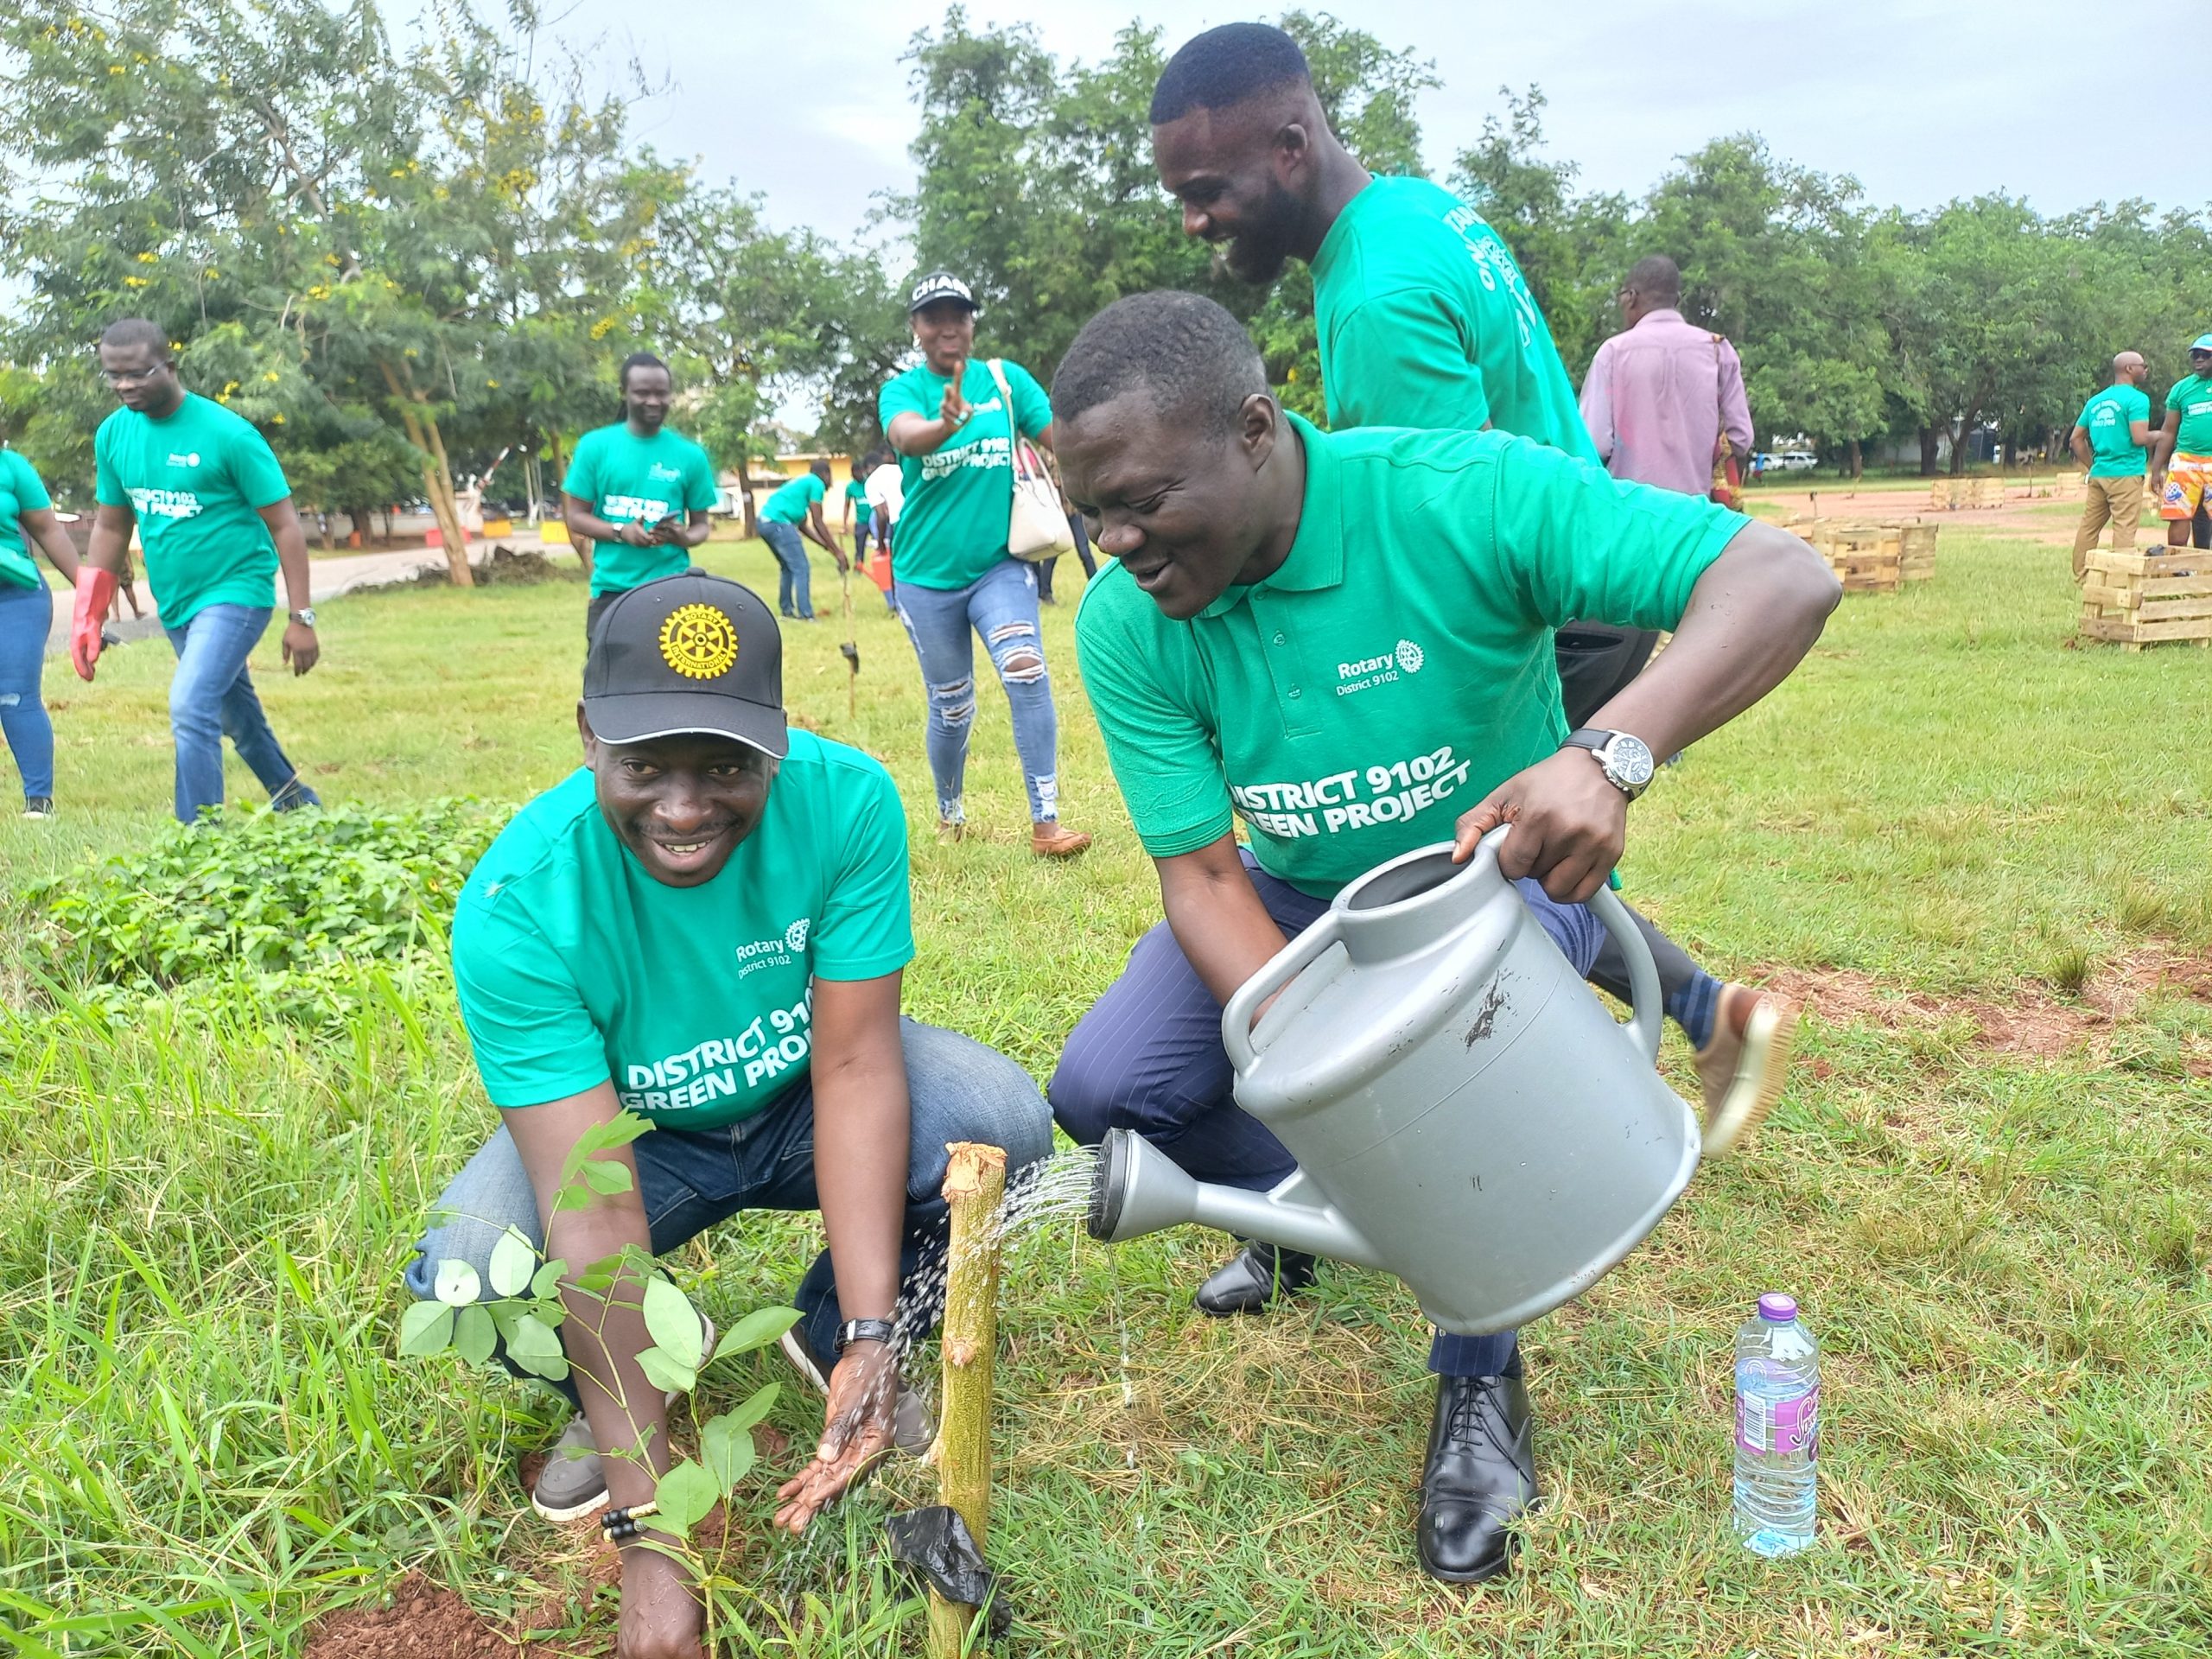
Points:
[(698, 641)]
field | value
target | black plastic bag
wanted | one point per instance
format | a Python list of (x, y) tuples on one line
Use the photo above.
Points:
[(936, 1543)]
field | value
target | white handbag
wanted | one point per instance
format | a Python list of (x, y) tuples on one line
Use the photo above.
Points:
[(1036, 528)]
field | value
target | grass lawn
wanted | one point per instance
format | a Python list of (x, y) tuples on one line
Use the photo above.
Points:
[(1991, 1185)]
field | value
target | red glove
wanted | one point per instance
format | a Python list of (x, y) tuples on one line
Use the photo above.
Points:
[(95, 592)]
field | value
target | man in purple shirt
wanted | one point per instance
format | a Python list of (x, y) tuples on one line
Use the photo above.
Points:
[(1660, 394)]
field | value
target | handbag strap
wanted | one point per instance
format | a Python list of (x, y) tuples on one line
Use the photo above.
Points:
[(1016, 442)]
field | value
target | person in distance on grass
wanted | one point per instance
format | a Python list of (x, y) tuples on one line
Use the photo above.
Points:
[(2181, 464), (1295, 620), (1424, 320), (1664, 399), (2111, 439), (706, 924), (217, 521), (793, 513), (26, 619), (954, 430), (858, 512), (637, 497), (887, 493)]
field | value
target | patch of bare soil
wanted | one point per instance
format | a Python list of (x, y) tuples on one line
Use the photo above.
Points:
[(2034, 1022)]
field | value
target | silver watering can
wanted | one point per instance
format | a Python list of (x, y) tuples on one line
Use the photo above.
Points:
[(1465, 1112)]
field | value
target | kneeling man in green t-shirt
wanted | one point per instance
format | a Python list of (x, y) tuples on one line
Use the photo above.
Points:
[(706, 925), (1344, 640)]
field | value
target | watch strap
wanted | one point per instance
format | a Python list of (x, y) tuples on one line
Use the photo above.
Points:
[(854, 1331), (1591, 738)]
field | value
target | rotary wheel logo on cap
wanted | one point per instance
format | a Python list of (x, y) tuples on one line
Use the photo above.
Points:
[(698, 641)]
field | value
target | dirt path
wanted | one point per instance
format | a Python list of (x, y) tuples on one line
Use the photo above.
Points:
[(2032, 512)]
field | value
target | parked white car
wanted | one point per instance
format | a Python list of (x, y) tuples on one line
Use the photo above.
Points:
[(1792, 460)]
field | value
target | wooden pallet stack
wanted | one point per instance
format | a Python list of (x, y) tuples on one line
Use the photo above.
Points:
[(1916, 548), (2138, 600), (1871, 558), (1950, 494)]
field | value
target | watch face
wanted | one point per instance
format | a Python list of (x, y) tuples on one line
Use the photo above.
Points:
[(1629, 759)]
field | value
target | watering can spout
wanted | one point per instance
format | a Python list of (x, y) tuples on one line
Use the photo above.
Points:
[(1138, 1190)]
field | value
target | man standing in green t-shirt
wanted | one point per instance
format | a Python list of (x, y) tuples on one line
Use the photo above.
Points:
[(217, 521), (1344, 640), (706, 925), (1424, 321), (2111, 439), (638, 497), (789, 519), (2181, 460)]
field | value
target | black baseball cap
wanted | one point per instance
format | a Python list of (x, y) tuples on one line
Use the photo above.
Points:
[(940, 285), (688, 653)]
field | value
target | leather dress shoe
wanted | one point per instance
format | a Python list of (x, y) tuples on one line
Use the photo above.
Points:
[(1252, 1278), (1480, 1476)]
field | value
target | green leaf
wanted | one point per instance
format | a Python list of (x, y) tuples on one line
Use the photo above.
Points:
[(472, 1334), (674, 1322), (726, 1449), (552, 1367), (425, 1329), (666, 1373), (547, 1279), (532, 1336), (756, 1330), (605, 1177), (457, 1284), (684, 1495), (514, 1259), (756, 1407)]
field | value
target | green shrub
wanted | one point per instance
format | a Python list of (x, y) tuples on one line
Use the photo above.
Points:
[(262, 900)]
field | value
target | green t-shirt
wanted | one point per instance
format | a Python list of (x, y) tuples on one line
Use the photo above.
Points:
[(574, 965), (959, 496), (21, 492), (2193, 398), (625, 478), (196, 478), (2108, 418), (789, 505), (1398, 666), (856, 493), (1425, 320)]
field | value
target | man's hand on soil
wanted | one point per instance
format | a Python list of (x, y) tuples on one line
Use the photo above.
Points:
[(856, 1431), (1569, 825), (660, 1617)]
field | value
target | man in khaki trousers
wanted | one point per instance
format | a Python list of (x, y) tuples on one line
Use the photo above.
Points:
[(2111, 439)]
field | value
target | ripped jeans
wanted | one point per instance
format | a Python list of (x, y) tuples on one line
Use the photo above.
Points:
[(1001, 605)]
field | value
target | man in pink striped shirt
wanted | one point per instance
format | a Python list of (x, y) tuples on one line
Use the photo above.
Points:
[(1659, 393)]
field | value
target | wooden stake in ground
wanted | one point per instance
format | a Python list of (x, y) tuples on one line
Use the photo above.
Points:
[(851, 649), (974, 1184)]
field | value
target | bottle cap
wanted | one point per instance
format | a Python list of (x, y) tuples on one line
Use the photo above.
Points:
[(1778, 1309)]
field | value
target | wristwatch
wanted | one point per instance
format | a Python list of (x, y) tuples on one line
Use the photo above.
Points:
[(1625, 760), (865, 1331), (306, 617)]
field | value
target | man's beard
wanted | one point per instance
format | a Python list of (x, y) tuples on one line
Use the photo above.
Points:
[(1257, 254)]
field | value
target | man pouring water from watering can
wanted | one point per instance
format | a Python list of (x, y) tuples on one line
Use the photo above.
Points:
[(1345, 640)]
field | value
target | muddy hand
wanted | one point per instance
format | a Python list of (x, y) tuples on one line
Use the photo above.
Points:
[(1569, 825), (857, 1431)]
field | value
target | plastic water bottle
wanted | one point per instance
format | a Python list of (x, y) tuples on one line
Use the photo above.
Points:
[(1777, 1428)]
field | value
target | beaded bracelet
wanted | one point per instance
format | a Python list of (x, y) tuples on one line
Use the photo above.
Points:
[(619, 1526)]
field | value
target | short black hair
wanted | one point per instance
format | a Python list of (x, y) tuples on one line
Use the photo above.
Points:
[(137, 331), (1224, 66), (820, 469), (1191, 356), (1657, 277), (638, 360)]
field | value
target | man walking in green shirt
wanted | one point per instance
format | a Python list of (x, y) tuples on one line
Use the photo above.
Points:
[(1274, 644), (640, 497), (2111, 439), (2180, 459), (790, 518), (1424, 321)]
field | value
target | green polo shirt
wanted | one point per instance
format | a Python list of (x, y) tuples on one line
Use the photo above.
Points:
[(627, 480), (197, 478), (21, 492), (2192, 398), (856, 493), (574, 965), (2109, 419), (789, 505), (1425, 320), (1398, 666), (959, 496)]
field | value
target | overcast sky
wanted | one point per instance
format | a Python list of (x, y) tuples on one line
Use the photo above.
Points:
[(1922, 99)]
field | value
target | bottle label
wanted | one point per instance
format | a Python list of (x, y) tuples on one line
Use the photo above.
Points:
[(1791, 1424)]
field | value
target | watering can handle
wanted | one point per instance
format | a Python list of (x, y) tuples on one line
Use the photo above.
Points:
[(1278, 971), (1645, 1003)]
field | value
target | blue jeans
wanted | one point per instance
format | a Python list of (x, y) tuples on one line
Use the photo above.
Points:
[(26, 614), (794, 580), (693, 1179), (211, 698), (1002, 605), (1148, 1056)]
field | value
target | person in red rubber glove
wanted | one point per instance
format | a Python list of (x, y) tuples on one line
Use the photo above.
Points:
[(215, 515)]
